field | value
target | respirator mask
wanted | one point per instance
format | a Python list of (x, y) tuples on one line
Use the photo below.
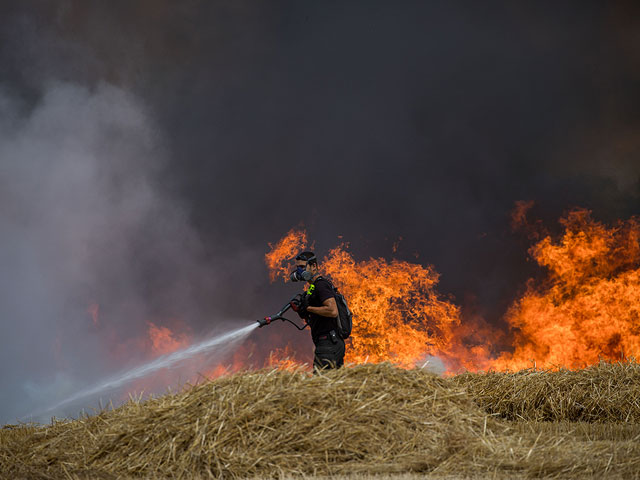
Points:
[(301, 274)]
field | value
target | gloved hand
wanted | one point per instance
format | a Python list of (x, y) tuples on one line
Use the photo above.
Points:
[(299, 305)]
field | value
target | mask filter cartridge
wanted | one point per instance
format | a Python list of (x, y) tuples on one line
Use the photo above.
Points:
[(301, 274)]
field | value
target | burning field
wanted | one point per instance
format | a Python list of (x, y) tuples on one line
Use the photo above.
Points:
[(584, 307), (466, 175), (367, 419), (554, 396)]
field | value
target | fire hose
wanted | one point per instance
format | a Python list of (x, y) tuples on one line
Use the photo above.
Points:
[(279, 316)]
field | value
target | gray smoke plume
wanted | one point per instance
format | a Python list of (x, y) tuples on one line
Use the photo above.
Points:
[(85, 224)]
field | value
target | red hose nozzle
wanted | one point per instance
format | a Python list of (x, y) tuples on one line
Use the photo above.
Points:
[(264, 321)]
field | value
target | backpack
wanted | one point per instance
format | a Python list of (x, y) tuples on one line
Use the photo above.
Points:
[(344, 320)]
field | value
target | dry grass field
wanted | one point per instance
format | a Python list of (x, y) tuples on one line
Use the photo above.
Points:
[(368, 421)]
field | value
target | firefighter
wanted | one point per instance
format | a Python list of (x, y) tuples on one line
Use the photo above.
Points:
[(317, 306)]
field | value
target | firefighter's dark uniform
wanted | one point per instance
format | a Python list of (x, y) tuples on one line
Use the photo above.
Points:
[(329, 351)]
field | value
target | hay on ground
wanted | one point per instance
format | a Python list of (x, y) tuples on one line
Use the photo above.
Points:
[(602, 393), (366, 419)]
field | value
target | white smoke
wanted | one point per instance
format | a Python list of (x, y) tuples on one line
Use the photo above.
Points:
[(84, 218), (433, 364)]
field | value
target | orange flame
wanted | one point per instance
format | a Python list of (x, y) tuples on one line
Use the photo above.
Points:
[(283, 359), (286, 249), (164, 341), (589, 306), (519, 213), (241, 361), (586, 310), (398, 315), (218, 371)]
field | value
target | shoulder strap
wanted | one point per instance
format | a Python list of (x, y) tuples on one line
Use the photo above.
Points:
[(312, 285), (320, 277)]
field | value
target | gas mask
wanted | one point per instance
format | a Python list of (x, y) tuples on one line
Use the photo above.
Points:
[(301, 274)]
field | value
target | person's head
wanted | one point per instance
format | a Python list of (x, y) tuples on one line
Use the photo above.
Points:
[(306, 267)]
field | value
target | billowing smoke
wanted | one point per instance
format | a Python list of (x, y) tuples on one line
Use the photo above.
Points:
[(93, 248)]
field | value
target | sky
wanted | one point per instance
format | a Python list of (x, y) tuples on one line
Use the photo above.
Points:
[(150, 151)]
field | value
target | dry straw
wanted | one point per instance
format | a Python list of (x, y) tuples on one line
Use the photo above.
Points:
[(602, 393), (365, 419)]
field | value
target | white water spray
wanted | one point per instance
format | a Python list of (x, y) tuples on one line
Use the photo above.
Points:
[(164, 361)]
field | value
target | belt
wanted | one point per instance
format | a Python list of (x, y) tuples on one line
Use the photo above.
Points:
[(326, 336)]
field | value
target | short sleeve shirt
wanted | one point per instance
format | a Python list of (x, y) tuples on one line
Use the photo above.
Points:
[(321, 325)]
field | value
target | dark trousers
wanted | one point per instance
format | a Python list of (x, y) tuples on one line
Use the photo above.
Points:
[(328, 354)]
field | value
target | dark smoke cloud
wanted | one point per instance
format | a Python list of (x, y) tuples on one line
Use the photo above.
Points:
[(150, 150)]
